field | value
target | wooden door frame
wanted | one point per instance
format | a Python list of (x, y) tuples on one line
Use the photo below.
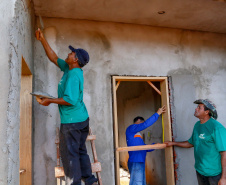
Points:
[(166, 119), (25, 151)]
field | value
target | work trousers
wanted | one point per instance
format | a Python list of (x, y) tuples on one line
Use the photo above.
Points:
[(137, 173), (208, 180), (75, 159)]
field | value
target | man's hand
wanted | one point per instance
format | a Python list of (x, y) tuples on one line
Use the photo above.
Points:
[(161, 110), (222, 181), (223, 164), (43, 101), (169, 143), (39, 35)]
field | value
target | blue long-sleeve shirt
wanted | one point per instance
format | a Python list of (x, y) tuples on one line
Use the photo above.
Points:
[(132, 140)]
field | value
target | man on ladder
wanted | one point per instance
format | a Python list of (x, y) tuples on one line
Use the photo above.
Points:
[(74, 116)]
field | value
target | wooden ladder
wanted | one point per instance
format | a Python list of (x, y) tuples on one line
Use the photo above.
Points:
[(96, 166)]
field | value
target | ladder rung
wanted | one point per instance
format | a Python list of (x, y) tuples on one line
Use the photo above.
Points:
[(96, 167), (91, 137), (59, 171)]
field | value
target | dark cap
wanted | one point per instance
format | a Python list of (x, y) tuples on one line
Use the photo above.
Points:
[(82, 55), (210, 105)]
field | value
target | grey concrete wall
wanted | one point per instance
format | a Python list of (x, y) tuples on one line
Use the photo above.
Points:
[(122, 49), (183, 123), (140, 99), (16, 41)]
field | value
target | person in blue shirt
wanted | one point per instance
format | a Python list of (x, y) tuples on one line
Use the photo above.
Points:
[(74, 127), (136, 162)]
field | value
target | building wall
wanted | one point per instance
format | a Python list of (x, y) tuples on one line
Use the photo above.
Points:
[(123, 49), (16, 41)]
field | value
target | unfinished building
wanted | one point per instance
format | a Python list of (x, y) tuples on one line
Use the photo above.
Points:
[(182, 43)]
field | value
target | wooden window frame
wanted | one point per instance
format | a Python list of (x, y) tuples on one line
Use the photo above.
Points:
[(116, 80)]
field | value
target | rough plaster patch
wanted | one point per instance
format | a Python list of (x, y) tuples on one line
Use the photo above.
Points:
[(46, 119), (20, 41)]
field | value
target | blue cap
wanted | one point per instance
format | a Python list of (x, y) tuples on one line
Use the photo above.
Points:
[(82, 55)]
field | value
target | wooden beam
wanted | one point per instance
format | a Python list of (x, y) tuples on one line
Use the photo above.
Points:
[(25, 150), (117, 172), (142, 147), (91, 137), (156, 89), (167, 134), (117, 85), (139, 78), (57, 142)]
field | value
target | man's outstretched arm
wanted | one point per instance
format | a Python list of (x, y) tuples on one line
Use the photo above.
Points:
[(48, 101), (150, 121), (184, 144), (49, 52), (223, 164)]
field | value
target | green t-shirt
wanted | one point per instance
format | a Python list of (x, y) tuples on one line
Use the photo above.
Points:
[(209, 139), (70, 88)]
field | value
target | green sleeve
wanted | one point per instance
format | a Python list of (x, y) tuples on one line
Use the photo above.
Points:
[(220, 138), (62, 64), (71, 93)]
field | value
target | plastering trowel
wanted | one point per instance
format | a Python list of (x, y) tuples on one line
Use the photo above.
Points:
[(40, 95)]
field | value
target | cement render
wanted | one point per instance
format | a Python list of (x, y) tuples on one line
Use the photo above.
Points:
[(16, 41), (123, 49), (6, 14), (183, 123)]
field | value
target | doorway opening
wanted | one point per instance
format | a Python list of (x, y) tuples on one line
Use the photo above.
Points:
[(142, 96), (25, 125)]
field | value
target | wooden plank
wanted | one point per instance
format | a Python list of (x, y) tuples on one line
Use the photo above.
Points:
[(96, 167), (91, 137), (167, 134), (138, 78), (26, 130), (59, 172), (156, 89), (57, 142), (143, 147), (58, 181), (117, 172)]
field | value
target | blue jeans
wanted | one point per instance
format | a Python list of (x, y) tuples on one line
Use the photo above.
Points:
[(137, 173), (208, 180), (74, 155)]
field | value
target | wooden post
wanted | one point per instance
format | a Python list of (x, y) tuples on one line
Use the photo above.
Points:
[(167, 134), (25, 125), (117, 173)]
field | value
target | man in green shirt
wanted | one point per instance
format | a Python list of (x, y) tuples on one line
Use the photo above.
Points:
[(73, 113), (209, 142)]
